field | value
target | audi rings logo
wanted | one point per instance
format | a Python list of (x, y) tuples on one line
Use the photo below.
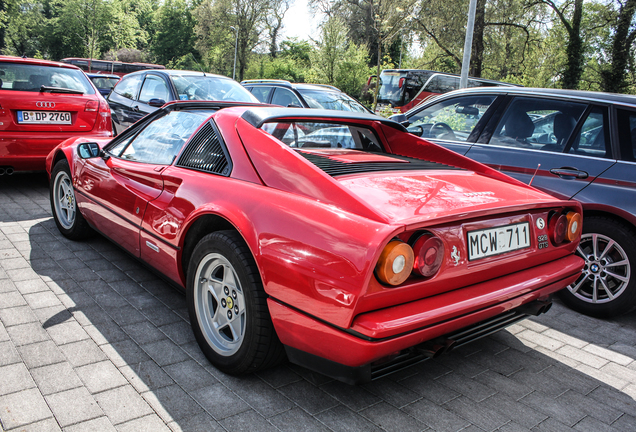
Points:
[(44, 104)]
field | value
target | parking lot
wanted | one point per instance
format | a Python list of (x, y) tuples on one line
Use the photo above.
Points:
[(92, 341)]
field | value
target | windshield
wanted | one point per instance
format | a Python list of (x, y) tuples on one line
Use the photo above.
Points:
[(104, 82), (331, 100), (198, 87), (30, 77), (390, 90)]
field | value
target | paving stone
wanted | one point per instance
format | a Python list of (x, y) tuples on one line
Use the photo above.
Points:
[(73, 406), (390, 418), (392, 392), (67, 332), (603, 377), (105, 333), (23, 408), (11, 299), (246, 422), (82, 352), (589, 424), (53, 315), (126, 315), (5, 284), (582, 356), (436, 417), (626, 423), (55, 378), (100, 376), (278, 376), (430, 389), (32, 286), (48, 425), (341, 418), (476, 413), (199, 423), (466, 386), (4, 336), (124, 352), (17, 315), (308, 397), (219, 402), (509, 407), (144, 332), (15, 378), (8, 354), (172, 403), (355, 398), (564, 413), (122, 404), (190, 375), (179, 332), (41, 354), (165, 352), (100, 424), (145, 376), (151, 423), (25, 334), (22, 274), (265, 400)]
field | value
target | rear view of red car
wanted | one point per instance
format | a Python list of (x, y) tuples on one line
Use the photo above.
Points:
[(42, 103)]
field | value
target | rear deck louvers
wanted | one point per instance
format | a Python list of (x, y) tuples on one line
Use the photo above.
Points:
[(336, 168), (206, 152)]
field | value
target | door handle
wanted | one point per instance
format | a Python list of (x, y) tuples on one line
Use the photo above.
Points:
[(568, 172), (135, 108)]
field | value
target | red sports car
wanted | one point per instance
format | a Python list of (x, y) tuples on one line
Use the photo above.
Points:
[(42, 103), (336, 238)]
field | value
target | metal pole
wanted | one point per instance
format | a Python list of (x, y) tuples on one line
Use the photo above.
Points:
[(468, 44), (401, 43), (235, 50)]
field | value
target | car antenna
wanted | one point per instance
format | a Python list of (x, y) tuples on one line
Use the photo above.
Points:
[(535, 173)]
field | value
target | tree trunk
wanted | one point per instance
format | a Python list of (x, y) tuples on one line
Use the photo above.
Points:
[(477, 51), (574, 65), (613, 78), (377, 80)]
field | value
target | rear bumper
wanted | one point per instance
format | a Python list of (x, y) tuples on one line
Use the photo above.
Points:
[(26, 152), (377, 338)]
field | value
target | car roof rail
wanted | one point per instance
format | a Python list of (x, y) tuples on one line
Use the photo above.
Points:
[(324, 85), (267, 81)]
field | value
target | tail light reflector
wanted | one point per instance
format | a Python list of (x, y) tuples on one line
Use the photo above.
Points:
[(395, 263), (429, 254), (574, 225), (565, 227), (91, 105)]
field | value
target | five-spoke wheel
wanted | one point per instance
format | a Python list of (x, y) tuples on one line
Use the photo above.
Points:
[(68, 219)]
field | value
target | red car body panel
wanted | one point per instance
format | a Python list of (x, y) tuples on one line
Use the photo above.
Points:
[(24, 147), (316, 238)]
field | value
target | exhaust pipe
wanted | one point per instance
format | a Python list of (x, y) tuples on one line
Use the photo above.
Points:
[(536, 307), (9, 170), (435, 347)]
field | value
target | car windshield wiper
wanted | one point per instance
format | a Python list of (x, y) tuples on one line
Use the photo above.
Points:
[(59, 90)]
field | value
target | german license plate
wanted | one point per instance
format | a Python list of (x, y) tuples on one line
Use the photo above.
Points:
[(44, 117), (495, 241)]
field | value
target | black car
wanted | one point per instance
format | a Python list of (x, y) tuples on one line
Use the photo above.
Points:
[(319, 96), (143, 92), (572, 144), (103, 82)]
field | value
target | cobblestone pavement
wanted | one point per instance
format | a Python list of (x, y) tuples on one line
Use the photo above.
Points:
[(91, 341)]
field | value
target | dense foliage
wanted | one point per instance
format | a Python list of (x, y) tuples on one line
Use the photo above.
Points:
[(544, 43)]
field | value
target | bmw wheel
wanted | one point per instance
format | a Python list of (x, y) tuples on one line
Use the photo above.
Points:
[(228, 306), (607, 286), (68, 219)]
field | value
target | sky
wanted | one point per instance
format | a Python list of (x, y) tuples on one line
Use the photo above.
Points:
[(299, 22)]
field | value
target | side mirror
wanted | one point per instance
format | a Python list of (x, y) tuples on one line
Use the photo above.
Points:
[(156, 103), (416, 130), (400, 118), (89, 150)]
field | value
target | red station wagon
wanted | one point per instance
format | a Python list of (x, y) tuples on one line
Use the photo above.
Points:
[(336, 238), (42, 103)]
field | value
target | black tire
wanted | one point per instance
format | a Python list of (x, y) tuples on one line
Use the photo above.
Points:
[(228, 306), (609, 271), (66, 215)]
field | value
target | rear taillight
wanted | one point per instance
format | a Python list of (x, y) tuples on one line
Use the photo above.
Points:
[(395, 263), (429, 253), (564, 227), (92, 105)]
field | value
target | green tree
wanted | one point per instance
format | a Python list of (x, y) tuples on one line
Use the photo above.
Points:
[(175, 35), (614, 75)]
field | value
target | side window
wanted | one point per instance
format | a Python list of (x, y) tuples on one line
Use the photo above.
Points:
[(261, 93), (285, 98), (537, 123), (128, 87), (452, 119), (593, 138), (154, 88), (627, 134), (160, 141)]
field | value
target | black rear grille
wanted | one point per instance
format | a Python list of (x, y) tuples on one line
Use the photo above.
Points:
[(206, 152), (336, 168)]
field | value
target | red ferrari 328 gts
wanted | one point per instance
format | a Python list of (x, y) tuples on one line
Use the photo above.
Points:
[(336, 238)]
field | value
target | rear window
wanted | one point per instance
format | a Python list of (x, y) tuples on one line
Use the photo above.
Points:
[(331, 100), (28, 77), (306, 134)]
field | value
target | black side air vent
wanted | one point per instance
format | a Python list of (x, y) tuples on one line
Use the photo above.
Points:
[(336, 168), (206, 152)]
